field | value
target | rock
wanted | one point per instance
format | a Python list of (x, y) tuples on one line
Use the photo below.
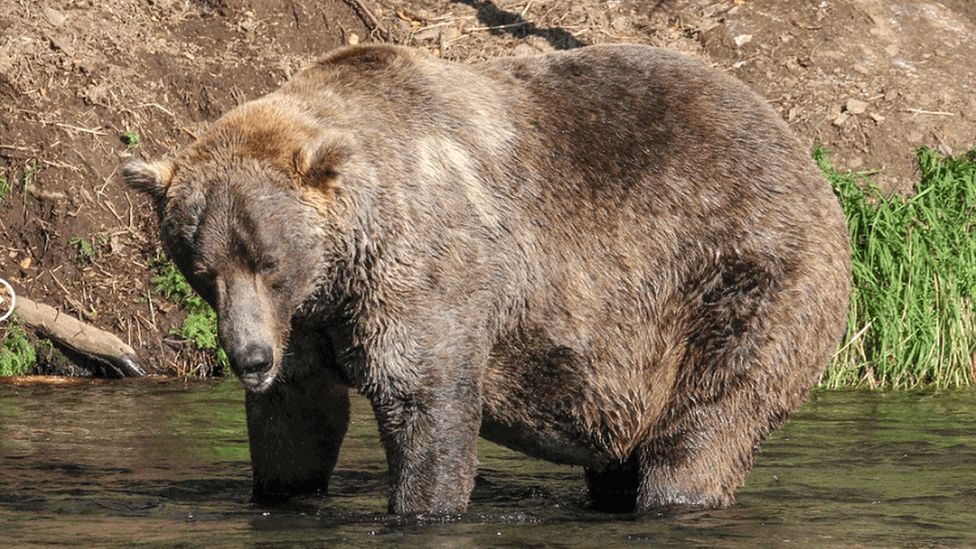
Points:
[(742, 40), (840, 119), (352, 39), (60, 43), (54, 17), (856, 106), (876, 117)]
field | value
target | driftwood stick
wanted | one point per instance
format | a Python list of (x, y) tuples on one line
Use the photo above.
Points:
[(79, 336)]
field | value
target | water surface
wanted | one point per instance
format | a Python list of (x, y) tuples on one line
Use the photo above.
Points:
[(167, 464)]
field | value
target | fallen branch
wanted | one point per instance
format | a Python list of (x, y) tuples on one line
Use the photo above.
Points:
[(79, 336), (933, 113)]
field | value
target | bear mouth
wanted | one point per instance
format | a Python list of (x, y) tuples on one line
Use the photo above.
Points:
[(257, 382)]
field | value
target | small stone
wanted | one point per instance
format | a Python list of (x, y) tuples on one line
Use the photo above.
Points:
[(876, 117), (59, 43), (861, 69), (54, 17), (352, 39), (856, 106), (840, 119), (742, 40), (26, 263)]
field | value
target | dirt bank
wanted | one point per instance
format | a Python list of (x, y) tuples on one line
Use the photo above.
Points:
[(869, 79)]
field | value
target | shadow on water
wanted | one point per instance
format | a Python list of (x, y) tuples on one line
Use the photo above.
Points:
[(118, 464), (502, 22)]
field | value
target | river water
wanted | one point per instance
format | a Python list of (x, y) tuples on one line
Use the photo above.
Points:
[(167, 464)]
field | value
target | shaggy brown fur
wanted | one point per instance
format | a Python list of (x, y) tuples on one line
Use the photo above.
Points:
[(613, 257)]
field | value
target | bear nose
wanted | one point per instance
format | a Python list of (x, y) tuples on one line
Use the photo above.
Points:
[(256, 359)]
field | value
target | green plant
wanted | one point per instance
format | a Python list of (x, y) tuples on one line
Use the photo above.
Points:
[(200, 325), (17, 355), (84, 248), (131, 139), (4, 187), (26, 178), (912, 320)]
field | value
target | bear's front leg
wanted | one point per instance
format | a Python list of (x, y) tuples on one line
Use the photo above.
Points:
[(295, 429), (430, 436)]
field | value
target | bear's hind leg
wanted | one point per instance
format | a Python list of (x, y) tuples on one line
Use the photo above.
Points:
[(757, 339), (295, 429), (705, 457)]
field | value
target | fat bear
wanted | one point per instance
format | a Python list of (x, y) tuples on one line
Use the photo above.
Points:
[(613, 257)]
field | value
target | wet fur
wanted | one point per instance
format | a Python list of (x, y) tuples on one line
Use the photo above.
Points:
[(614, 257)]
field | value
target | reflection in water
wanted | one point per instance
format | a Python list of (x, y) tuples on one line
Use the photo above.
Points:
[(167, 463)]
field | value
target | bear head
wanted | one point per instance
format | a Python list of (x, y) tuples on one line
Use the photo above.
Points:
[(256, 232)]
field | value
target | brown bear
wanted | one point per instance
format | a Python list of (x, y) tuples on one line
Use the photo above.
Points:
[(613, 257)]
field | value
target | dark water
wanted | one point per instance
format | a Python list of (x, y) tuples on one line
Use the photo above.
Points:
[(167, 464)]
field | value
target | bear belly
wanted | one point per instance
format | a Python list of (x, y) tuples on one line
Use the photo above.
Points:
[(536, 437), (533, 395)]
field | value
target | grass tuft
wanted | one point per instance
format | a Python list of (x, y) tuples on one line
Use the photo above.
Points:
[(200, 325), (84, 248), (912, 321), (130, 139), (17, 355), (4, 187)]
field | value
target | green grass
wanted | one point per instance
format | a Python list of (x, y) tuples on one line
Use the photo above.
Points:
[(85, 249), (4, 187), (131, 139), (912, 321), (200, 325), (17, 355)]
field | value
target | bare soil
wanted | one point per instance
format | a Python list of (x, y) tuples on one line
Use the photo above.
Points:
[(870, 80)]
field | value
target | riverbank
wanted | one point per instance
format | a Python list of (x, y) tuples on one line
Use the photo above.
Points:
[(85, 85)]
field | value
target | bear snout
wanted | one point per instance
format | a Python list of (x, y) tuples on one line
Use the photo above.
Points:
[(255, 359), (253, 364)]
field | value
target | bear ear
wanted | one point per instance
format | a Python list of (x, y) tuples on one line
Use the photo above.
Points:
[(320, 162), (152, 178)]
